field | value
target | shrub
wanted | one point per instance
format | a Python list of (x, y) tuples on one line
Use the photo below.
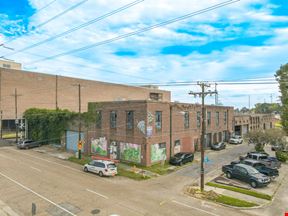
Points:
[(282, 156)]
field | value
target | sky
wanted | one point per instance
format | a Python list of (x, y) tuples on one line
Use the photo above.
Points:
[(245, 40)]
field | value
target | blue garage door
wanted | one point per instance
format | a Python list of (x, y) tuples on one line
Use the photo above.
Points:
[(72, 140)]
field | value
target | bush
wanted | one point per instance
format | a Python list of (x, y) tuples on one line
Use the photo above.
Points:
[(282, 156)]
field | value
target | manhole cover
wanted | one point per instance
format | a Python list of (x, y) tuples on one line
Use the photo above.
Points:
[(95, 211)]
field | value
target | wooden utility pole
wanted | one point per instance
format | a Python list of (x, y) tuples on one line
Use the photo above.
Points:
[(80, 143), (15, 95), (56, 93), (203, 94)]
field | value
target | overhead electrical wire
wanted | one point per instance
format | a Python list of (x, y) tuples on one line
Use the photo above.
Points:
[(49, 20), (139, 31), (83, 25)]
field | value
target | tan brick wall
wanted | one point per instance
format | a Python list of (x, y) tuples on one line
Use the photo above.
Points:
[(39, 90)]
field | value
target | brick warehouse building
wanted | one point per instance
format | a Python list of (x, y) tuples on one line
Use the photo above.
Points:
[(147, 132), (40, 90), (244, 123)]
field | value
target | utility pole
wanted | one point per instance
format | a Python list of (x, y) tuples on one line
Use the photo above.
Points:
[(216, 95), (56, 93), (271, 97), (79, 119), (15, 95), (203, 94), (249, 102)]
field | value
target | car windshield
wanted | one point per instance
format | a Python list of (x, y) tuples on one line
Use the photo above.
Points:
[(178, 155), (252, 170), (111, 166)]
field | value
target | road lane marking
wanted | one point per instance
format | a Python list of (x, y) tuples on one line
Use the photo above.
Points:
[(36, 169), (59, 164), (7, 157), (198, 209), (37, 194), (94, 192)]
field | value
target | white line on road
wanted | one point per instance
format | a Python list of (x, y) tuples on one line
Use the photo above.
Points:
[(198, 209), (35, 169), (91, 191), (7, 157), (37, 194)]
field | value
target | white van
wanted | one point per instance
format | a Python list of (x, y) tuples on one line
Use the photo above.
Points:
[(101, 167)]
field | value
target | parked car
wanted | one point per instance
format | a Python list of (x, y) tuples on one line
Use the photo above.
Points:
[(101, 167), (264, 158), (276, 147), (218, 146), (262, 168), (247, 174), (181, 158), (26, 144), (236, 140)]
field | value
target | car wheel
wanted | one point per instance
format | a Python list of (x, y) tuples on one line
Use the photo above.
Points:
[(228, 175), (253, 184), (39, 145), (85, 169), (101, 174), (27, 147), (180, 164)]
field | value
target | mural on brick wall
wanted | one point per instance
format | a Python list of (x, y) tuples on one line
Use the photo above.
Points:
[(99, 146), (130, 152), (158, 152)]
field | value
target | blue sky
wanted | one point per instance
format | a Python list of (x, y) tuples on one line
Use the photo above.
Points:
[(244, 40)]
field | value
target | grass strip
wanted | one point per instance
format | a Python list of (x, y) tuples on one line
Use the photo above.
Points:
[(233, 201), (131, 175), (82, 161), (241, 190)]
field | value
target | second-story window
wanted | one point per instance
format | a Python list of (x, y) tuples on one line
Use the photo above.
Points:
[(225, 118), (217, 118), (113, 119), (198, 119), (158, 120), (129, 120), (98, 119), (186, 119), (208, 119)]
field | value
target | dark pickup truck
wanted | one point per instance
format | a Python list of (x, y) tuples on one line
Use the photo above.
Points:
[(264, 158), (271, 172), (247, 174)]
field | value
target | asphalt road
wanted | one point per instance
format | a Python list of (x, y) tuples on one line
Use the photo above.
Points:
[(60, 188)]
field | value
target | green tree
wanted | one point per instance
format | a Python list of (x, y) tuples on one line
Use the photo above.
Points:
[(267, 108), (282, 78)]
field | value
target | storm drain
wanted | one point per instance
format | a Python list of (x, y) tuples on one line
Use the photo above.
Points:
[(55, 211)]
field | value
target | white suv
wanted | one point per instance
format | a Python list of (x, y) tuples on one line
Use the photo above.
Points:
[(101, 167), (236, 140)]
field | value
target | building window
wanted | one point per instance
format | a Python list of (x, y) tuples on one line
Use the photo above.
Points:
[(225, 118), (129, 120), (113, 119), (208, 118), (186, 119), (98, 119), (6, 66), (198, 119), (177, 143), (217, 118), (156, 96), (158, 120)]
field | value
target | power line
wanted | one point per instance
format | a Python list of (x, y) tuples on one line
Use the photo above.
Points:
[(49, 20), (142, 30), (44, 7), (78, 27)]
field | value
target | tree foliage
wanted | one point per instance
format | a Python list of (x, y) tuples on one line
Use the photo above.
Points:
[(267, 108), (282, 78), (47, 126), (261, 138)]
